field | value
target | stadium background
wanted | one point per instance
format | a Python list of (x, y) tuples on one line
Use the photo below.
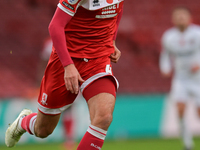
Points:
[(142, 108)]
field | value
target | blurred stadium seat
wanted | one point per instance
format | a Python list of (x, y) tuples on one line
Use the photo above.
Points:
[(24, 26)]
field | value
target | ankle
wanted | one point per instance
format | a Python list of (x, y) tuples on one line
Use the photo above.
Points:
[(20, 127)]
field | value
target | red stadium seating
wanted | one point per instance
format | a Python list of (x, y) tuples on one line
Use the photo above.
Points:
[(24, 26)]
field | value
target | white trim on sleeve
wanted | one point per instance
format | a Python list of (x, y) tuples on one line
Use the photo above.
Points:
[(65, 10)]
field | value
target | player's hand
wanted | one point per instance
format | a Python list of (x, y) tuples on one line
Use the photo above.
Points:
[(72, 78), (166, 75), (116, 55), (195, 68)]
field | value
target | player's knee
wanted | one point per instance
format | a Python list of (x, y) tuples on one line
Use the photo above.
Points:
[(198, 112), (104, 120), (43, 132), (108, 119), (181, 109)]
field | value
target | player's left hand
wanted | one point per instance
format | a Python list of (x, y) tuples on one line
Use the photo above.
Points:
[(114, 57), (195, 68)]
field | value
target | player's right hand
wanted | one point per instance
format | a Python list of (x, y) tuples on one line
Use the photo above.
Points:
[(167, 74), (195, 68), (114, 57), (72, 78)]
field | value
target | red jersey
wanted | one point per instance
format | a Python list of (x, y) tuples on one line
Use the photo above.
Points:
[(90, 32)]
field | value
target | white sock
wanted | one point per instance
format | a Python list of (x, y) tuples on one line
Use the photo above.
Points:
[(32, 124), (97, 132), (19, 124), (186, 134)]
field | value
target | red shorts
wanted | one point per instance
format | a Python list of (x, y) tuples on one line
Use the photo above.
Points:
[(53, 97)]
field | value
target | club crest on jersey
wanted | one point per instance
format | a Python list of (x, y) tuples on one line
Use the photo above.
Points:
[(96, 3), (44, 99), (72, 2)]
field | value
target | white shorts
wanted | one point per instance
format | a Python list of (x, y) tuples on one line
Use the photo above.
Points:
[(184, 90)]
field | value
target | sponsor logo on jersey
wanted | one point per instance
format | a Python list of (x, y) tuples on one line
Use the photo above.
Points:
[(109, 11), (109, 1), (68, 5), (44, 99), (105, 16), (95, 146), (96, 3), (72, 2)]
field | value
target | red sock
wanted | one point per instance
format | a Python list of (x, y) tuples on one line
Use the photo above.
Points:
[(28, 122), (93, 139), (68, 127)]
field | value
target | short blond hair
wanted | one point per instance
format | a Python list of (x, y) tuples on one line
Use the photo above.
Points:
[(181, 8)]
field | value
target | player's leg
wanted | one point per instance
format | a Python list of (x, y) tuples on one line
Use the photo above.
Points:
[(181, 109), (185, 132), (45, 124), (34, 123), (198, 111), (196, 95), (101, 108), (180, 95), (68, 127), (197, 99)]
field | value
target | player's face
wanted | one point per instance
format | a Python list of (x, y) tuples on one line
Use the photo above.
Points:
[(181, 18)]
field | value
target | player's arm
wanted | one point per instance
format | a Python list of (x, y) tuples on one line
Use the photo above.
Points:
[(195, 68), (116, 55), (57, 33), (196, 65), (165, 63), (56, 30)]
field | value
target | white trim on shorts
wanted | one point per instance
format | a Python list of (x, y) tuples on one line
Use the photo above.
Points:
[(95, 77), (57, 111), (50, 111)]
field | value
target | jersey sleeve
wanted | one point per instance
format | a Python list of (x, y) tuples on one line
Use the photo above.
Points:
[(56, 30), (165, 59), (196, 59), (69, 6), (118, 21)]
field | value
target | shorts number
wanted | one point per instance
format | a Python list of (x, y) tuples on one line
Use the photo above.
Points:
[(108, 69)]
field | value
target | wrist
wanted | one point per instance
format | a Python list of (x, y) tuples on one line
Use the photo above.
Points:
[(114, 44), (68, 65)]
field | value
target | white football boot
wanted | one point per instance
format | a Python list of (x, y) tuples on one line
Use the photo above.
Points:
[(14, 132)]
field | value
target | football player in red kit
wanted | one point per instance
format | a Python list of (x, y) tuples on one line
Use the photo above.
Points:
[(83, 34)]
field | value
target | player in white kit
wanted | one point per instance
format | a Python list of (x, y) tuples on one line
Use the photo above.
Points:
[(181, 55)]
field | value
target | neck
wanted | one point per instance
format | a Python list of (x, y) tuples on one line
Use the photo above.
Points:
[(182, 28)]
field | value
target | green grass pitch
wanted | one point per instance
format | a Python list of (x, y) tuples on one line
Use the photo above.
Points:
[(142, 144)]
